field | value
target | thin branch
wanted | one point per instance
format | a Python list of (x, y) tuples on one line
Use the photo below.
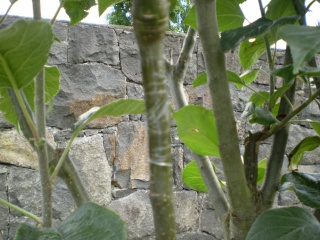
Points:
[(240, 196), (7, 12), (58, 11)]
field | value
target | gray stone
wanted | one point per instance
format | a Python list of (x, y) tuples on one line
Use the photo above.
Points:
[(136, 211), (90, 159), (132, 151), (16, 150), (177, 159), (92, 43), (83, 87), (135, 91), (59, 50), (4, 211), (194, 236), (210, 224), (129, 54)]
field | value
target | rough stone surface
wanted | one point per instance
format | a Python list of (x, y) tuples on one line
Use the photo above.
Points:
[(4, 211), (89, 157)]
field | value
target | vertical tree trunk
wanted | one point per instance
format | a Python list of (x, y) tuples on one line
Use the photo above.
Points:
[(150, 19)]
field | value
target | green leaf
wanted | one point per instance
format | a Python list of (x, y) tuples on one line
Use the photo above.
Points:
[(104, 4), (52, 86), (234, 78), (305, 185), (200, 80), (90, 221), (229, 15), (310, 71), (315, 126), (27, 232), (197, 129), (264, 117), (280, 8), (250, 51), (192, 177), (292, 223), (285, 72), (118, 108), (296, 155), (24, 49), (250, 75), (191, 18), (259, 98), (78, 9), (279, 93), (7, 108), (249, 110), (233, 38), (304, 43), (262, 165)]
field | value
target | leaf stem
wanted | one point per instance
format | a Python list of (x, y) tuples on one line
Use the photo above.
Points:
[(6, 13), (21, 210), (57, 12)]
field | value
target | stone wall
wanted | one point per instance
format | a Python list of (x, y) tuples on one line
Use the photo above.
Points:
[(100, 64)]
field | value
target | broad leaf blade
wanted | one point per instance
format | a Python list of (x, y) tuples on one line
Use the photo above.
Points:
[(192, 177), (94, 222), (305, 185), (304, 43), (200, 80), (263, 117), (315, 126), (197, 129), (249, 110), (292, 223), (229, 16), (259, 98), (78, 9), (310, 71), (104, 4), (280, 92), (24, 49), (27, 232), (296, 155), (7, 108), (285, 72), (250, 76), (234, 78), (280, 8)]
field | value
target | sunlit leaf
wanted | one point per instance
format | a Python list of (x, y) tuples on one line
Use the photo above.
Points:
[(304, 43), (104, 4), (292, 223), (315, 126), (78, 9), (262, 165), (234, 78), (191, 176), (89, 221), (259, 98), (24, 49), (296, 155), (200, 80), (229, 15), (197, 129), (7, 108), (305, 185)]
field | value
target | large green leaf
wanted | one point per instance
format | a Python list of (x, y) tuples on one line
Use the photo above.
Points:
[(310, 71), (200, 80), (104, 4), (78, 9), (280, 8), (197, 129), (304, 43), (285, 72), (232, 38), (24, 49), (292, 223), (296, 155), (90, 221), (229, 15), (315, 126), (305, 185), (279, 93)]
